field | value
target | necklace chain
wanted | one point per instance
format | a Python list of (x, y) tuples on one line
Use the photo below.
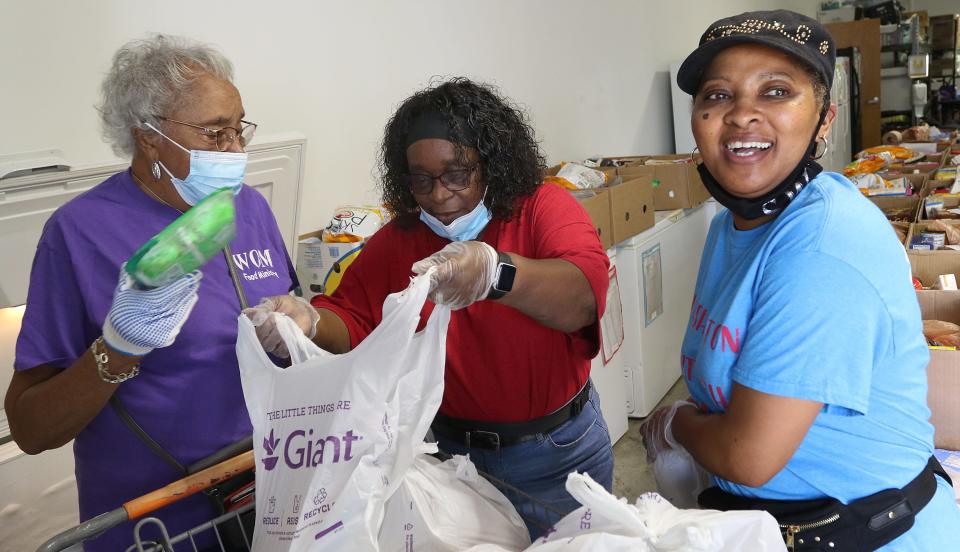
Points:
[(149, 191)]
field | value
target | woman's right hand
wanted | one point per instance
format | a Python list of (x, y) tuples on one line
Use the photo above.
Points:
[(264, 319), (141, 320)]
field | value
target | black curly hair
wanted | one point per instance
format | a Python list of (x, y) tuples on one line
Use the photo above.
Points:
[(511, 165)]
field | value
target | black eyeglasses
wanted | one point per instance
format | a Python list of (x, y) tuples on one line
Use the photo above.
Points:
[(455, 180), (224, 136)]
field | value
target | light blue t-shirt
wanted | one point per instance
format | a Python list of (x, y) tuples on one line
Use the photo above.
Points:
[(818, 305)]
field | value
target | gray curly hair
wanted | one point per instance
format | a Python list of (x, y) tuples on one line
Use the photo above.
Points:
[(147, 78)]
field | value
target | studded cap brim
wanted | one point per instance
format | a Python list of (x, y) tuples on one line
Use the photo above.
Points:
[(792, 33), (692, 69)]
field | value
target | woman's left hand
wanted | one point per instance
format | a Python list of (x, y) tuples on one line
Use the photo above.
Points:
[(464, 274)]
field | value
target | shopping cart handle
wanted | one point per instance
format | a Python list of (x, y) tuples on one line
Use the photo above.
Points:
[(147, 503), (85, 531), (189, 485), (229, 451)]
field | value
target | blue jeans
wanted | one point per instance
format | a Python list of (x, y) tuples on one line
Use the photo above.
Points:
[(539, 467)]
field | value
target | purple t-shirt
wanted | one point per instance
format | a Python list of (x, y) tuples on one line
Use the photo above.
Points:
[(188, 395)]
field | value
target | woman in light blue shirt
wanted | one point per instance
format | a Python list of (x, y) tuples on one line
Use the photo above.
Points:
[(804, 354)]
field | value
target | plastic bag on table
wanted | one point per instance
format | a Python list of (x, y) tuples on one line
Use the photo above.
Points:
[(606, 523), (448, 506), (334, 434), (353, 223), (868, 164), (574, 176)]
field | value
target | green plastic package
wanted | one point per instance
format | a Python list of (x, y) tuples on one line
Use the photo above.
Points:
[(187, 243)]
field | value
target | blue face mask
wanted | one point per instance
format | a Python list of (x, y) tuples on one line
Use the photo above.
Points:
[(464, 228), (209, 171)]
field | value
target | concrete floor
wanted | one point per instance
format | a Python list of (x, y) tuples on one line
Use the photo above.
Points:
[(632, 476)]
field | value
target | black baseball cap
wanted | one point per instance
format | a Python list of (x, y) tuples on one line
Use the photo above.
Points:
[(784, 30)]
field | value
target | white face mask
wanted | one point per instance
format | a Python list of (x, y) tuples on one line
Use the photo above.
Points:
[(464, 228), (209, 171)]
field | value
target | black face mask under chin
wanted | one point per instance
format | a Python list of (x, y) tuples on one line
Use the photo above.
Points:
[(773, 201)]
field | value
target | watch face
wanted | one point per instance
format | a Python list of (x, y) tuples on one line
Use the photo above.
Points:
[(505, 275)]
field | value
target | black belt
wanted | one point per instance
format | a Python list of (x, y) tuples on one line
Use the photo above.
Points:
[(494, 435), (863, 524)]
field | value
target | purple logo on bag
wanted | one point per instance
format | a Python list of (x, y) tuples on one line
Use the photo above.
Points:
[(303, 449), (269, 447)]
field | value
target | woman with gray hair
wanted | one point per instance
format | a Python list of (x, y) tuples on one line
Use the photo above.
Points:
[(170, 105)]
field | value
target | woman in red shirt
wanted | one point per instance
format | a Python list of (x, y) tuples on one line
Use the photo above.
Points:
[(521, 264)]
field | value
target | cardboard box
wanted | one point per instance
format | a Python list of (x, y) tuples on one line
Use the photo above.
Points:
[(901, 229), (925, 147), (949, 202), (631, 207), (924, 168), (632, 171), (611, 172), (909, 206), (321, 265), (917, 180), (943, 372), (933, 185), (619, 160), (677, 186), (928, 266), (598, 208)]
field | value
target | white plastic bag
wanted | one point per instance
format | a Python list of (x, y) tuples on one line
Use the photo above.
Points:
[(608, 524), (580, 177), (334, 434), (679, 478), (446, 507)]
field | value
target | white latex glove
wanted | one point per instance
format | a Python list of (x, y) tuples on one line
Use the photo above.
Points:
[(264, 319), (656, 432), (464, 275), (141, 320)]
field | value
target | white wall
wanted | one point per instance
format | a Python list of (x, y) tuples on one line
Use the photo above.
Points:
[(593, 75)]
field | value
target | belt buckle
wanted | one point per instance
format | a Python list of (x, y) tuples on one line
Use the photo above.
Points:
[(482, 439)]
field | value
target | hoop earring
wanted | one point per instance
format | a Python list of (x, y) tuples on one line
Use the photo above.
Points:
[(155, 170), (826, 146)]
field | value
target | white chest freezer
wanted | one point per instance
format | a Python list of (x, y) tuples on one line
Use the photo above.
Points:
[(657, 272), (606, 369)]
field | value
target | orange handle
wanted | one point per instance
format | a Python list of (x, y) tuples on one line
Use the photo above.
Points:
[(189, 485)]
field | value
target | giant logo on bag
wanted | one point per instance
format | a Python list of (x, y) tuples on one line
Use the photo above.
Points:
[(302, 450)]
